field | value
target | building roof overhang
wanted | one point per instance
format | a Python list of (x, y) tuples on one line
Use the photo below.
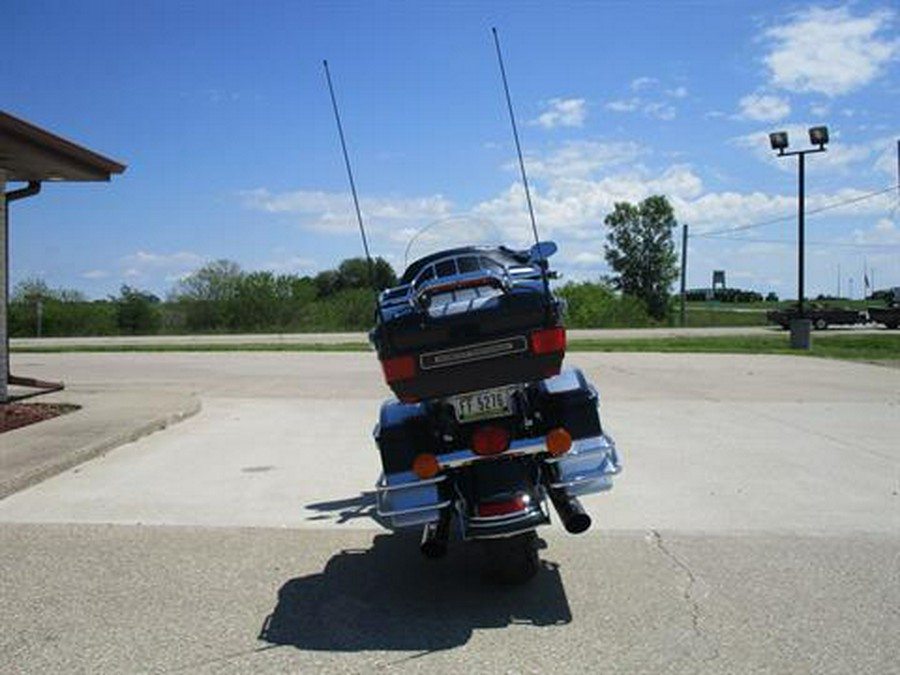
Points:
[(29, 153)]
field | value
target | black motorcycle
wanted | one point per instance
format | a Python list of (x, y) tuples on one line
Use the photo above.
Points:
[(487, 429)]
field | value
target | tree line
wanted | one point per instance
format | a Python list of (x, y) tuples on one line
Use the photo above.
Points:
[(220, 297)]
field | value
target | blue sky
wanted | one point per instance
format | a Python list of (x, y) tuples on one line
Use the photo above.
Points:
[(221, 112)]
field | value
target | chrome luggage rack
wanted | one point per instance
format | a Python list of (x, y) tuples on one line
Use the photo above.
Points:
[(407, 500)]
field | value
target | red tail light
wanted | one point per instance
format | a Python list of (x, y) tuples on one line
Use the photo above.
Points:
[(400, 368), (490, 440), (548, 340), (488, 509)]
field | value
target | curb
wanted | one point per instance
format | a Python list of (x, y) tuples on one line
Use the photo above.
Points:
[(97, 449)]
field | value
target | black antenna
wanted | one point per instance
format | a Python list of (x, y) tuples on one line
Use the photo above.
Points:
[(512, 120), (362, 230)]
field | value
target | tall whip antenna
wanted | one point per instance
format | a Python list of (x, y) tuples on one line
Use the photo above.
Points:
[(359, 219), (512, 120)]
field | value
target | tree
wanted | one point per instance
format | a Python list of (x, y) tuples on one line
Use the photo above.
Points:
[(208, 294), (354, 273), (137, 312), (641, 251)]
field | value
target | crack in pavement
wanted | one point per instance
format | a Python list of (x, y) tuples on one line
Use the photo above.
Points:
[(687, 593)]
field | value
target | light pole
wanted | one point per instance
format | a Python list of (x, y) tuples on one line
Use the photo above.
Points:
[(818, 136)]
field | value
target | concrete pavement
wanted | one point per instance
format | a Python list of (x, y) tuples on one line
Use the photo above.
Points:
[(106, 420), (756, 528)]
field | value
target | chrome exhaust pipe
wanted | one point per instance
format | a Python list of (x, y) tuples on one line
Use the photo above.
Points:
[(435, 536), (574, 518)]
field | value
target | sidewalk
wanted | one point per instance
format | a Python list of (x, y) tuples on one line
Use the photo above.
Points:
[(106, 420)]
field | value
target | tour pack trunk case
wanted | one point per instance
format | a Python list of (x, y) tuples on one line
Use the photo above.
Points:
[(487, 324)]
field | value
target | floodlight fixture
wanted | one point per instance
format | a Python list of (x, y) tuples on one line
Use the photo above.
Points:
[(779, 140), (818, 136)]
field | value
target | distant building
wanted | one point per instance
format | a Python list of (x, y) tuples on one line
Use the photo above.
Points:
[(718, 280)]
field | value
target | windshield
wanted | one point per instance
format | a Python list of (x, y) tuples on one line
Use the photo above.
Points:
[(461, 232)]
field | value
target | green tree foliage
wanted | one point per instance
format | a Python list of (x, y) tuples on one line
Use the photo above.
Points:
[(205, 295), (354, 273), (137, 312), (641, 251), (596, 305), (218, 297), (35, 289), (36, 308)]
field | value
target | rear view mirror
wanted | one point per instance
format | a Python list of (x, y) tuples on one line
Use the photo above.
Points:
[(542, 250)]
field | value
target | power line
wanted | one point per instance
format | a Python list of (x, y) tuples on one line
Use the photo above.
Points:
[(809, 212), (810, 243)]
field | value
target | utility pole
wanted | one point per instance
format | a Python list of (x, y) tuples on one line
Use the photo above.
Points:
[(684, 239)]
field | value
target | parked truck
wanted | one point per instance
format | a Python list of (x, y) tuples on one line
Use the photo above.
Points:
[(889, 315), (821, 317)]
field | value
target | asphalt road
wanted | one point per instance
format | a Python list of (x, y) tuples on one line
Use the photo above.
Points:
[(756, 529), (345, 338)]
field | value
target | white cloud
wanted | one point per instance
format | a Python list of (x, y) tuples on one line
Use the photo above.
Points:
[(589, 258), (659, 110), (95, 274), (624, 105), (333, 211), (291, 264), (151, 267), (582, 159), (839, 155), (764, 107), (884, 233), (640, 83), (144, 259), (563, 112), (830, 51), (819, 109), (886, 149), (677, 92)]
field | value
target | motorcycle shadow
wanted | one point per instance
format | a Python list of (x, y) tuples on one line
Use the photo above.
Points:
[(352, 508), (388, 598)]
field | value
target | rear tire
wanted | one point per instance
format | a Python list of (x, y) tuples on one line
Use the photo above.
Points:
[(820, 324), (511, 560)]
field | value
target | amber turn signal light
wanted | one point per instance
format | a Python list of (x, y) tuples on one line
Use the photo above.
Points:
[(426, 465), (559, 441)]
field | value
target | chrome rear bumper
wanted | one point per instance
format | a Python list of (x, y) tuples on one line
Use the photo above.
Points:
[(589, 466)]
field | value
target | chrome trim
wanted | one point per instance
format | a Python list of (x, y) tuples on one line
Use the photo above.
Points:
[(588, 467), (479, 351), (517, 448), (503, 535), (499, 519), (584, 446), (584, 480), (384, 492), (383, 486), (418, 509)]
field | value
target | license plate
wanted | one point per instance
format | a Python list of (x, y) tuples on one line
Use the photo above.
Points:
[(483, 405)]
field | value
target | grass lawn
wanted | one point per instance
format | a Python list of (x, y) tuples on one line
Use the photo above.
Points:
[(882, 346), (867, 347)]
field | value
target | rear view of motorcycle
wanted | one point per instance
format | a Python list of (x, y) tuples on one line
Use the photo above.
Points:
[(487, 431)]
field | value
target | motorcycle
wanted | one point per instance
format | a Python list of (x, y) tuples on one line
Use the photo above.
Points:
[(487, 430)]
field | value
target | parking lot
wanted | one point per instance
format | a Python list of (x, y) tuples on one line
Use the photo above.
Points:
[(756, 528)]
